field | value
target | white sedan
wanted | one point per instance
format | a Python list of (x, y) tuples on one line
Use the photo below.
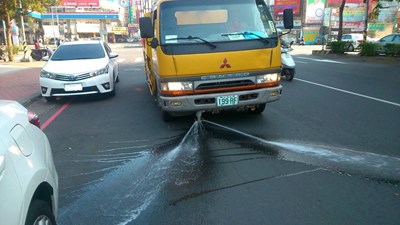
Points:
[(80, 68), (28, 178)]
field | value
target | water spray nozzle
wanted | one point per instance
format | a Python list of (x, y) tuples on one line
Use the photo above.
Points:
[(198, 115)]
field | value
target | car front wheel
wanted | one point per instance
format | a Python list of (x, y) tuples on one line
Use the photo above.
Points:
[(50, 99), (350, 48), (40, 212)]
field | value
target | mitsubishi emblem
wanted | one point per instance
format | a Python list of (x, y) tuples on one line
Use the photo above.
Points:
[(225, 63)]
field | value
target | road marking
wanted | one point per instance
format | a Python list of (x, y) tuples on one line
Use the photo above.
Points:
[(301, 62), (349, 92), (322, 60), (55, 115)]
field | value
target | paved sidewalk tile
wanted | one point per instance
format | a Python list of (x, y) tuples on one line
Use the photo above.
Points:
[(20, 85)]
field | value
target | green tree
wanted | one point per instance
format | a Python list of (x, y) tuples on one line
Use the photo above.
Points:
[(9, 10)]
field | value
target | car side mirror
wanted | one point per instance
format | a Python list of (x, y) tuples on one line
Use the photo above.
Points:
[(113, 55), (45, 58)]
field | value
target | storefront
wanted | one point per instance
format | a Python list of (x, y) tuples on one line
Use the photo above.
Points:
[(119, 34), (77, 25)]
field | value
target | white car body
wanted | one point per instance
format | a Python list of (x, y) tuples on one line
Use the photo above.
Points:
[(27, 171), (79, 76), (354, 40), (388, 39)]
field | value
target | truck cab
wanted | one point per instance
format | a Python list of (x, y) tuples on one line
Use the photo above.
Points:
[(212, 55)]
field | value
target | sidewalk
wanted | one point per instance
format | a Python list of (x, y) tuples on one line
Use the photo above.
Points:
[(19, 81)]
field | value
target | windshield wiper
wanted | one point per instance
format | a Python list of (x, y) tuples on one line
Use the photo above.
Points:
[(193, 38), (263, 39)]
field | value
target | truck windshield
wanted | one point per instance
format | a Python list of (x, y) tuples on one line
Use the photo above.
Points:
[(215, 21)]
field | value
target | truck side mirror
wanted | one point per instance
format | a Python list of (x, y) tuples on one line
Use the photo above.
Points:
[(288, 18), (146, 27)]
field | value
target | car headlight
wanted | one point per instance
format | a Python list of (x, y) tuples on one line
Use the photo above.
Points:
[(266, 78), (45, 74), (177, 86), (100, 72)]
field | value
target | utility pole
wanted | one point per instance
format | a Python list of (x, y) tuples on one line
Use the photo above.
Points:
[(366, 21), (24, 59)]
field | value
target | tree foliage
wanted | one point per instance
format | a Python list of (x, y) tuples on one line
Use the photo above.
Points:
[(9, 10)]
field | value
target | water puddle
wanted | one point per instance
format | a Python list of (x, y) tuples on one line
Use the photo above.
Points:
[(369, 165), (123, 194)]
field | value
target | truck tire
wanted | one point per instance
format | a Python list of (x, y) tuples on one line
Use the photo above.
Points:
[(167, 117), (39, 212)]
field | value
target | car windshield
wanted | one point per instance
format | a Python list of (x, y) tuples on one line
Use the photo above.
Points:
[(214, 22), (78, 51), (346, 37)]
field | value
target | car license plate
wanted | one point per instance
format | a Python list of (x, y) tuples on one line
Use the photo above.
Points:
[(227, 100), (73, 87)]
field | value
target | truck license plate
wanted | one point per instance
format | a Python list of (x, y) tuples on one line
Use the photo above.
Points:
[(227, 100), (73, 87)]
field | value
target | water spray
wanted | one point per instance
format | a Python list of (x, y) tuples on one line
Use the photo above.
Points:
[(198, 115)]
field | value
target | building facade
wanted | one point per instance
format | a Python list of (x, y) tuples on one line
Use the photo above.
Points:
[(317, 21)]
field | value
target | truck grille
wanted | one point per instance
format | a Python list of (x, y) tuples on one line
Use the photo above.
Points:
[(224, 84)]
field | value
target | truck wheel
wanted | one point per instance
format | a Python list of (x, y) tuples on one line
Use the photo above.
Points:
[(259, 109), (39, 212), (167, 117)]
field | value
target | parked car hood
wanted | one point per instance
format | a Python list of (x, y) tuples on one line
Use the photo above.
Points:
[(75, 66)]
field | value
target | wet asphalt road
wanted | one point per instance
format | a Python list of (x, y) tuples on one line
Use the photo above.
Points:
[(326, 153)]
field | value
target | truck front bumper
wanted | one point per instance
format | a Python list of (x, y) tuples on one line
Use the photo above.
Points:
[(207, 102)]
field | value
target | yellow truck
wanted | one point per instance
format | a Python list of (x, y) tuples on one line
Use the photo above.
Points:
[(212, 55)]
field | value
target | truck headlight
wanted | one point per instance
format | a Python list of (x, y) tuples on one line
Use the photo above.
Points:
[(266, 78), (45, 74), (177, 86)]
